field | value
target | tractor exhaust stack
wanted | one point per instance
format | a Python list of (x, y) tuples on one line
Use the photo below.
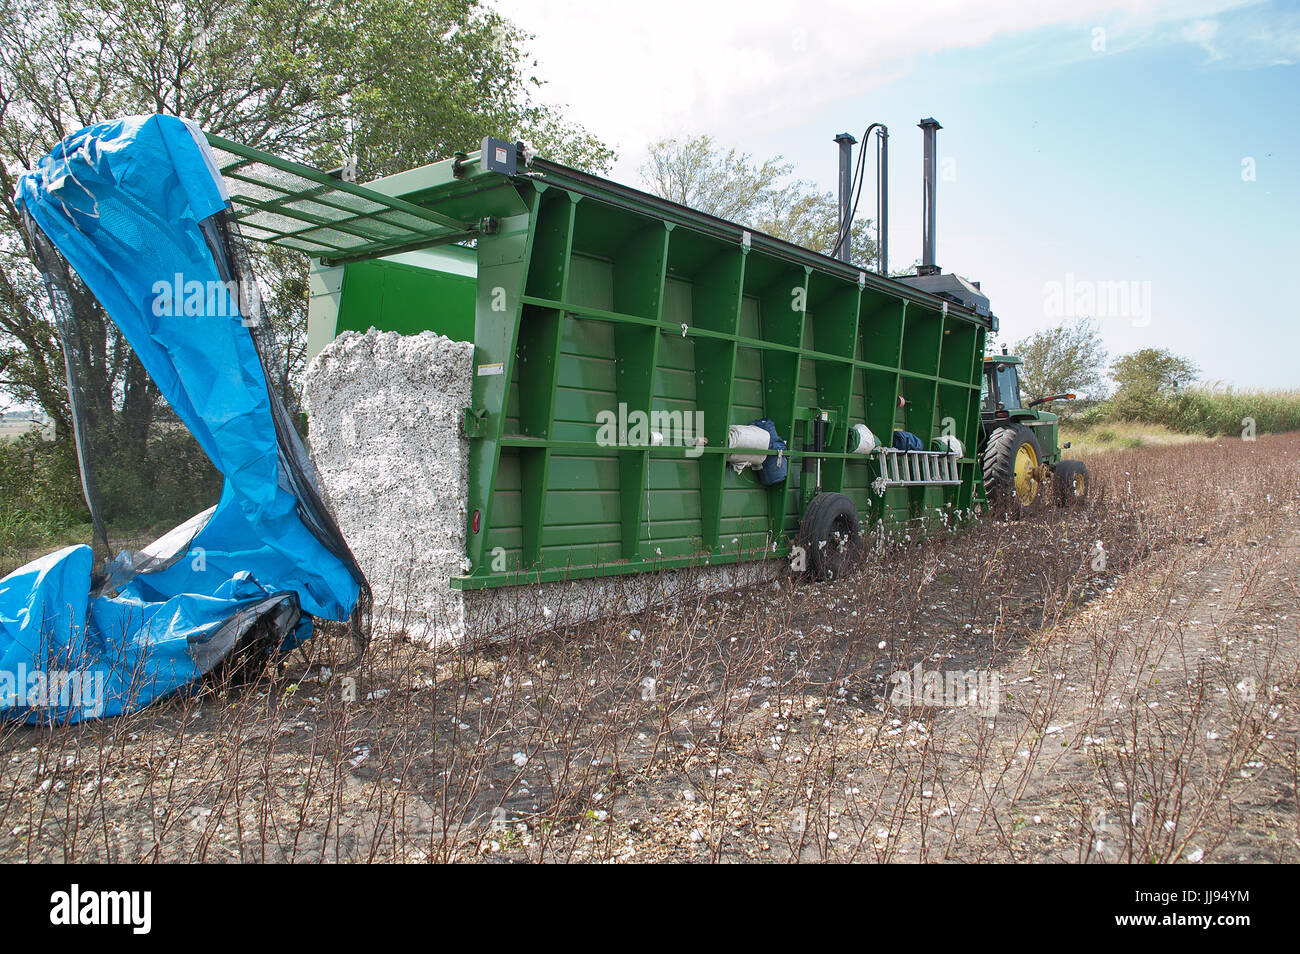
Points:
[(929, 127), (845, 142)]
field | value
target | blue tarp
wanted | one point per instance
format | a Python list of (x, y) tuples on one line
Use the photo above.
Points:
[(124, 202)]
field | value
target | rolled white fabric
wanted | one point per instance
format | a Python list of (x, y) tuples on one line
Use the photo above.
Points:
[(864, 442), (948, 443), (747, 436)]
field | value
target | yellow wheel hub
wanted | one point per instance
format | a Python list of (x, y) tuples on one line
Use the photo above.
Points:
[(1027, 474)]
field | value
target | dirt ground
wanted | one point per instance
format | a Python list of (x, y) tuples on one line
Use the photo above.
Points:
[(1121, 687)]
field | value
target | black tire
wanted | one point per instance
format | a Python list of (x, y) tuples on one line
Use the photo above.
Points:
[(831, 534), (1071, 483), (999, 465)]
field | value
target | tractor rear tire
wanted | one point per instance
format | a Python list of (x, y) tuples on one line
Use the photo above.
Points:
[(1070, 482), (831, 535), (1012, 471)]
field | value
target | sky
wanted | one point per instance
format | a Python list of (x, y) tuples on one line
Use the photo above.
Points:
[(1135, 161)]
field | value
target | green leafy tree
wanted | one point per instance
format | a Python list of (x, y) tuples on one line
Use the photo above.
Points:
[(760, 195), (1067, 359), (1153, 370), (1147, 381), (395, 83)]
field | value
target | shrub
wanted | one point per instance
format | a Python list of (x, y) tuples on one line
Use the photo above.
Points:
[(40, 491), (173, 483), (1212, 411), (41, 497)]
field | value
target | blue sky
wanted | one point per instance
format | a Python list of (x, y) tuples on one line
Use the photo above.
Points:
[(1084, 144)]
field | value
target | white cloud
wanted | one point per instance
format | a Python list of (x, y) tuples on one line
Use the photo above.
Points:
[(1202, 33), (633, 72), (1255, 36)]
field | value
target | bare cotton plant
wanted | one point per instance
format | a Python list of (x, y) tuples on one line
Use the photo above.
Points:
[(1145, 648)]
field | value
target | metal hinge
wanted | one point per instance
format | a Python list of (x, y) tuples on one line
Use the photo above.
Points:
[(474, 422)]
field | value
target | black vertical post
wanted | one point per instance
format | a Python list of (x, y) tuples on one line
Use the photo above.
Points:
[(929, 194), (845, 142)]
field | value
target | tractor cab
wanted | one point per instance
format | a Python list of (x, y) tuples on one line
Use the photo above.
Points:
[(1000, 394)]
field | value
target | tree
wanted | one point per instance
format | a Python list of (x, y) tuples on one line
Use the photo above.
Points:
[(1156, 372), (1148, 382), (1066, 359), (394, 82), (733, 186)]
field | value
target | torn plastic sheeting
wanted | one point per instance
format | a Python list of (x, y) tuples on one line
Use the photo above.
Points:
[(131, 205)]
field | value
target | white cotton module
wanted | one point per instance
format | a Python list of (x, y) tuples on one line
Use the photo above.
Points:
[(747, 436), (863, 442), (946, 442), (384, 418)]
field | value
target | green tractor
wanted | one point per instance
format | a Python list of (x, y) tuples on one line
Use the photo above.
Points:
[(1020, 447)]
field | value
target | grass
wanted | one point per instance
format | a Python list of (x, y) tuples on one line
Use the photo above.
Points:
[(1121, 435), (26, 537), (1216, 409), (23, 538), (1197, 414), (1210, 410), (42, 507)]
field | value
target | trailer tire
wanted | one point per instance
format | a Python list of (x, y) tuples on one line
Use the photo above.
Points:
[(1070, 482), (1011, 451), (831, 535)]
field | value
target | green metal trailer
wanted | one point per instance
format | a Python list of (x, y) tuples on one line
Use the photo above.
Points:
[(603, 319)]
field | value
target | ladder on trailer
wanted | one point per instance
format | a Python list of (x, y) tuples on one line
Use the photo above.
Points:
[(899, 468)]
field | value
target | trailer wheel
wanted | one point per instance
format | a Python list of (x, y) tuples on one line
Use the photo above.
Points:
[(1071, 483), (1013, 472), (831, 535)]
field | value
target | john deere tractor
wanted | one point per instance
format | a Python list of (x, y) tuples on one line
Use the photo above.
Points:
[(1020, 446)]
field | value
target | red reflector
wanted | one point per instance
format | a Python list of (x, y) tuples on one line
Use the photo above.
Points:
[(1002, 415), (474, 521)]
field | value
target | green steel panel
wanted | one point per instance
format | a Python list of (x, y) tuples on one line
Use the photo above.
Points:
[(397, 297)]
